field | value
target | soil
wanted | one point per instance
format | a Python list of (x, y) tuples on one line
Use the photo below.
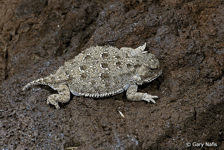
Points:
[(38, 36)]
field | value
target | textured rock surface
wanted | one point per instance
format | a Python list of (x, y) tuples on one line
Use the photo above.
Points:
[(37, 36)]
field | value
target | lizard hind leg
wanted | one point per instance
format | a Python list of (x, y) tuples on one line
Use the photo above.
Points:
[(63, 96)]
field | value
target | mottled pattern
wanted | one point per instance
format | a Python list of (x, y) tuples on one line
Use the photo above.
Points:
[(103, 71)]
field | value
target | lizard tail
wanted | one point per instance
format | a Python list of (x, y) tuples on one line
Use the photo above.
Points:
[(42, 81)]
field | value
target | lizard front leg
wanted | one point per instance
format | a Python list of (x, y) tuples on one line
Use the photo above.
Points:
[(133, 95)]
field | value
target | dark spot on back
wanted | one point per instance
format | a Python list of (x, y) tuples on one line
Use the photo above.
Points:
[(83, 67), (104, 65), (129, 66), (118, 57), (87, 57), (83, 76), (107, 85), (137, 66), (105, 55), (105, 75), (93, 82), (118, 64)]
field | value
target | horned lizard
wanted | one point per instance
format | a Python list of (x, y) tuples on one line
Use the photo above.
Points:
[(103, 71)]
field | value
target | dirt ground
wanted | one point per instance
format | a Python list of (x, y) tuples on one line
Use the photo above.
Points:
[(38, 36)]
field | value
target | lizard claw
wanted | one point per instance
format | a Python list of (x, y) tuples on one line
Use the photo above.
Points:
[(149, 98)]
